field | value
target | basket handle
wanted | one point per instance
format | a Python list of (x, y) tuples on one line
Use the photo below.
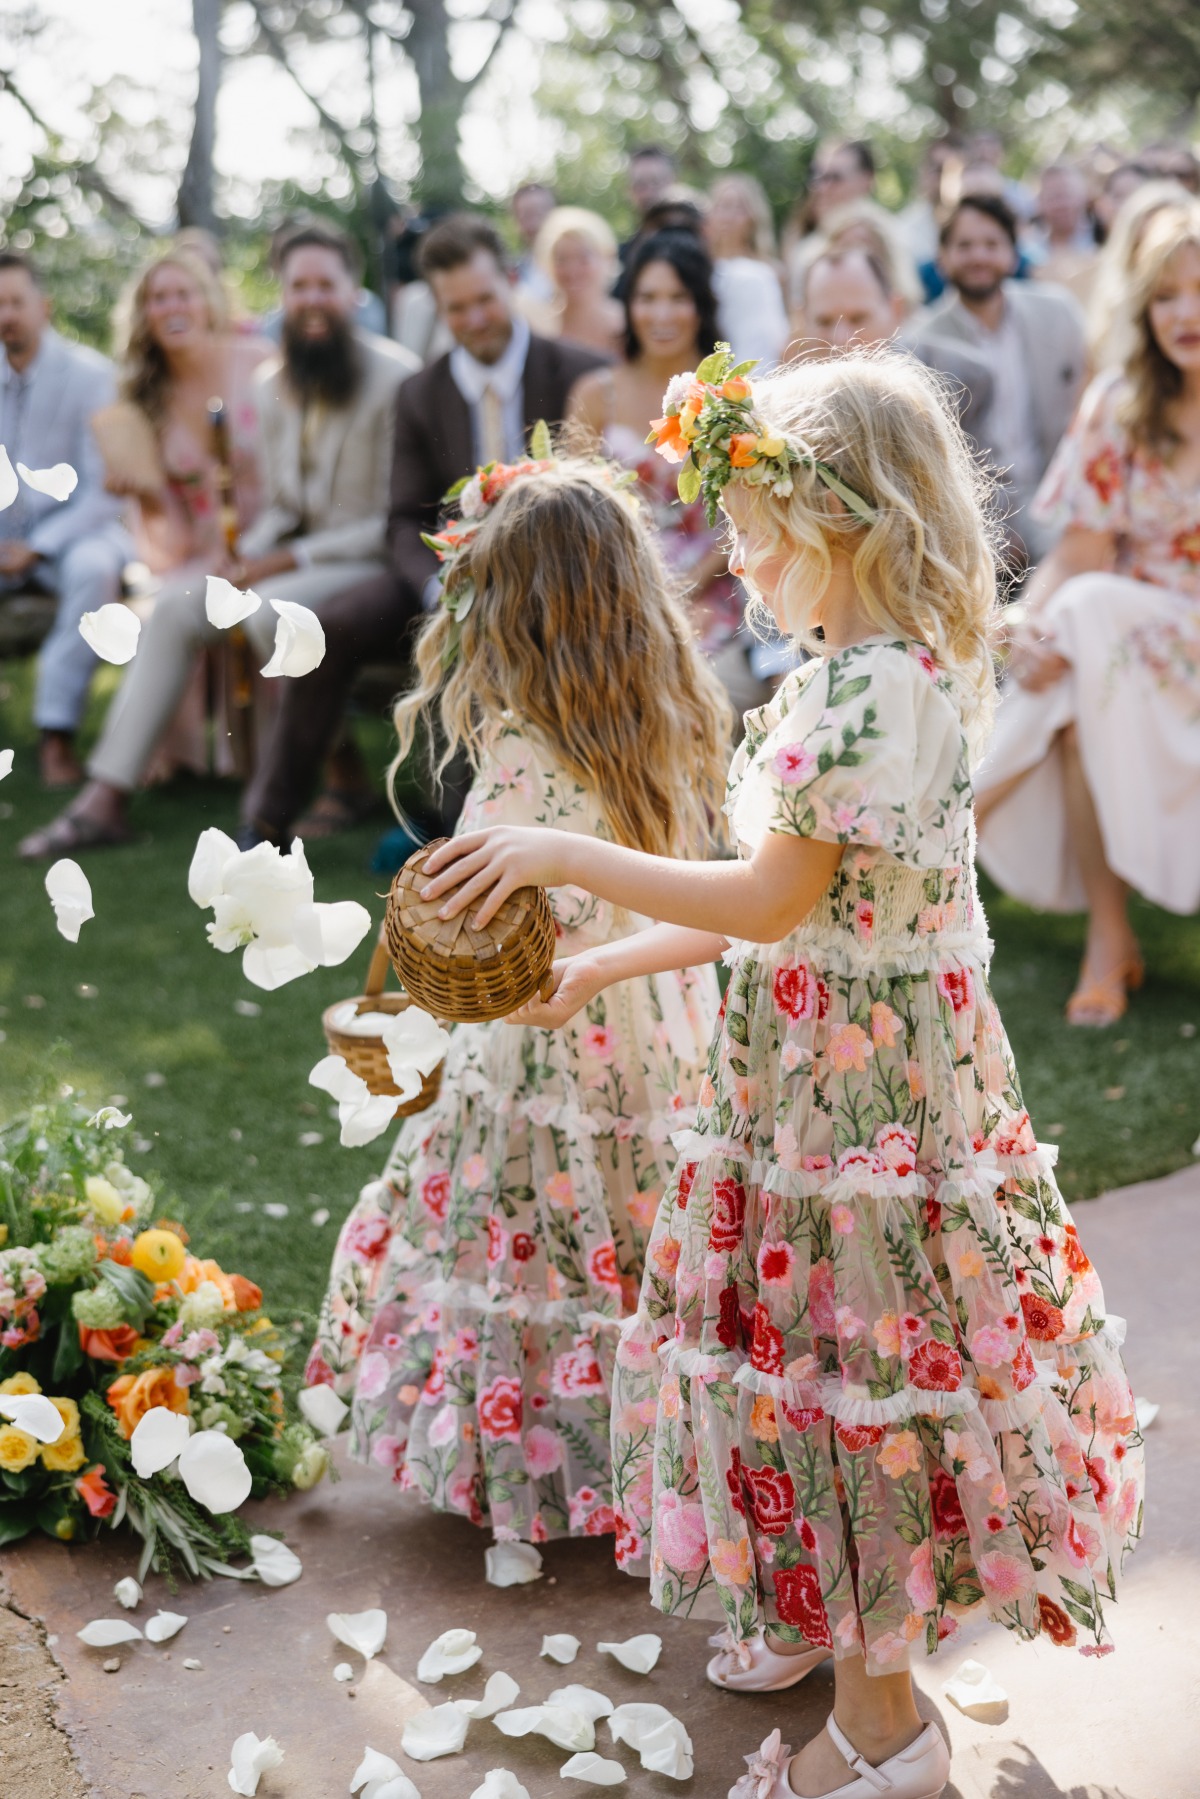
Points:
[(377, 969)]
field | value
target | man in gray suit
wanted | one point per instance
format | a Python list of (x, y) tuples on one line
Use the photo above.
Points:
[(1030, 335), (75, 548), (326, 410)]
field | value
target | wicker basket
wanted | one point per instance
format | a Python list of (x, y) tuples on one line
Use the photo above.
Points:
[(367, 1056), (461, 973)]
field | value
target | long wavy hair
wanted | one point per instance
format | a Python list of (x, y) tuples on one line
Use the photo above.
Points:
[(693, 267), (1107, 323), (575, 634), (926, 568), (145, 375), (1154, 382)]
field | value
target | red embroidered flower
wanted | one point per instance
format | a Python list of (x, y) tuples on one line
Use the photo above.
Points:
[(523, 1247), (820, 1298), (795, 991), (1103, 473), (627, 1545), (857, 1437), (602, 1264), (500, 1410), (365, 1239), (1102, 1487), (497, 1237), (956, 985), (775, 1264), (948, 1516), (1023, 1371), (729, 1318), (1073, 1252), (600, 1523), (435, 1194), (577, 1371), (1055, 1622), (935, 1367), (802, 1417), (683, 1189), (933, 1214), (766, 1349), (772, 1498), (733, 1480), (1043, 1321), (822, 1000), (728, 1215), (798, 1602)]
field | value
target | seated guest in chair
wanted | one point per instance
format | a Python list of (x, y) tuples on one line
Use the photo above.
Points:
[(73, 548), (325, 410), (476, 404)]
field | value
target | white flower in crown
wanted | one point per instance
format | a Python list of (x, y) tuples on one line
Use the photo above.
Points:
[(471, 503), (678, 388)]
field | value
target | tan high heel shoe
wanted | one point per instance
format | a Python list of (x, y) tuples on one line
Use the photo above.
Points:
[(919, 1772), (1097, 1004)]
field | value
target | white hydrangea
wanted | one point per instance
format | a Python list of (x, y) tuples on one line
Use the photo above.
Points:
[(677, 391), (470, 501)]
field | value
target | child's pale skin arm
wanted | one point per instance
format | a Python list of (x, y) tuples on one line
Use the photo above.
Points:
[(579, 978)]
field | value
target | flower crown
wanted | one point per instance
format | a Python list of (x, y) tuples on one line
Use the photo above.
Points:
[(710, 426)]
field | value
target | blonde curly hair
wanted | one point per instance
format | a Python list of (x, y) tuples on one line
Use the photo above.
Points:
[(926, 567), (145, 376), (1154, 382), (576, 634)]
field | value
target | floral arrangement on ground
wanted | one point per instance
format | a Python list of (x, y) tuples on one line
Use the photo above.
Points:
[(105, 1311)]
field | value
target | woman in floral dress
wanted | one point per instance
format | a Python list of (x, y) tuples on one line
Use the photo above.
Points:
[(478, 1285), (1092, 784), (871, 1388)]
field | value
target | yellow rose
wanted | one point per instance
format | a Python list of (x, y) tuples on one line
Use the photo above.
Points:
[(68, 1411), (19, 1383), (64, 1456), (17, 1449), (770, 445), (103, 1199), (159, 1255)]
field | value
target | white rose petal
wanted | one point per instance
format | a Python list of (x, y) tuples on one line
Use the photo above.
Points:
[(299, 640), (363, 1631), (252, 1757), (562, 1649), (59, 482), (274, 966), (9, 485), (585, 1700), (275, 1564), (594, 1769), (512, 1564), (452, 1653), (158, 1437), (382, 1778), (638, 1654), (321, 1407), (71, 896), (342, 925), (362, 1115), (343, 1671), (106, 1633), (1145, 1411), (440, 1731), (163, 1626), (974, 1691), (127, 1592), (108, 1118), (215, 851), (500, 1691), (112, 631), (6, 762), (415, 1043), (32, 1412), (560, 1724), (227, 605), (214, 1471), (500, 1783), (661, 1741)]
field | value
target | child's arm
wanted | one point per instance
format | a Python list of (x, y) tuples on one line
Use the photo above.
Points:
[(578, 979), (761, 899)]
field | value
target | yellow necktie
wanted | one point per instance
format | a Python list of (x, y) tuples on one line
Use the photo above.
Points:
[(491, 426)]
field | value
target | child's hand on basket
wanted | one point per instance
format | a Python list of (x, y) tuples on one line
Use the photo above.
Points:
[(494, 863), (577, 980)]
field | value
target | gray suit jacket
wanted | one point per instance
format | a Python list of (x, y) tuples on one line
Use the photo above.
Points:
[(70, 383), (340, 513), (1051, 325)]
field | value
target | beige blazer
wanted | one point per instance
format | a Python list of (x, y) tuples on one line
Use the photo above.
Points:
[(331, 505)]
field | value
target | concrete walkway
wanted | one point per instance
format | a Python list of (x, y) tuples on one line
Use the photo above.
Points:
[(1125, 1727)]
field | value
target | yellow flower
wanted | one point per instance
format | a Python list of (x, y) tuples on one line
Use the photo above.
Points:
[(762, 1419), (68, 1411), (17, 1449), (3, 1235), (19, 1383), (64, 1456), (159, 1255), (104, 1201), (771, 445), (900, 1454)]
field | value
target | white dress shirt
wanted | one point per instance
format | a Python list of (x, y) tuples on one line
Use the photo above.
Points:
[(506, 377)]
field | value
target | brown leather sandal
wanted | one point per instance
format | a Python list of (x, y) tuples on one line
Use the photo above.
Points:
[(70, 832)]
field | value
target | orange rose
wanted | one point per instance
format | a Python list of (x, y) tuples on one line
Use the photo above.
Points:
[(737, 389), (110, 1345), (246, 1296), (131, 1396), (743, 449), (669, 439)]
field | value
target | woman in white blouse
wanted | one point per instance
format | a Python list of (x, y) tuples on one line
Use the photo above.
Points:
[(740, 236)]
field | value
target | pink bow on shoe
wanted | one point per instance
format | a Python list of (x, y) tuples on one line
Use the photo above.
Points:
[(742, 1651), (764, 1767)]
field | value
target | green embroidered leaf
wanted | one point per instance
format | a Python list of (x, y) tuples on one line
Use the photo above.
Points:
[(848, 690), (736, 1028)]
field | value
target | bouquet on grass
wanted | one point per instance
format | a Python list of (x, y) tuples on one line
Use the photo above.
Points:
[(105, 1311)]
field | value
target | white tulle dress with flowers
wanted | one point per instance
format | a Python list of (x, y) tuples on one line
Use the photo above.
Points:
[(477, 1287), (871, 1387)]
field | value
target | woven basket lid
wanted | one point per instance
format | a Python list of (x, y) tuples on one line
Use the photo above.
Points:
[(459, 939)]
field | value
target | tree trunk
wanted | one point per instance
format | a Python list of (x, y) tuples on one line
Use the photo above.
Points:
[(440, 181), (195, 201)]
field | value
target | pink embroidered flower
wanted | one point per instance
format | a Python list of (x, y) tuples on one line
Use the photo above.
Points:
[(886, 1332), (577, 1371), (500, 1410), (919, 1585), (957, 986), (474, 1172), (898, 1147), (600, 1042), (679, 1532), (775, 1264), (365, 1239), (864, 918), (1015, 1138), (820, 1298), (497, 1242), (602, 1265), (842, 1220), (793, 763), (543, 1451), (435, 1194), (1081, 1543), (444, 1428), (849, 1047), (373, 1373), (992, 1345), (858, 1160), (1004, 1576)]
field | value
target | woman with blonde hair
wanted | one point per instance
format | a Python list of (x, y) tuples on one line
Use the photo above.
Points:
[(1107, 309), (479, 1285), (740, 234), (1092, 786), (176, 352), (577, 252), (853, 1409)]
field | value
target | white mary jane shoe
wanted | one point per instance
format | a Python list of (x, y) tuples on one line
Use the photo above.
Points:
[(919, 1772), (752, 1666)]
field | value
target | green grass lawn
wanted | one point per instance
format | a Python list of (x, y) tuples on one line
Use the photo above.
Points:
[(143, 1007)]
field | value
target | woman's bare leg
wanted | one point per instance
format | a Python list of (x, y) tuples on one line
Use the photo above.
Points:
[(876, 1711), (1110, 940)]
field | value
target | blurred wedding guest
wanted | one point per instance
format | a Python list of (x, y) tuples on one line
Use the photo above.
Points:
[(577, 251), (1063, 240), (918, 222), (530, 207), (1172, 162), (370, 313), (649, 173), (860, 225), (325, 411), (1107, 312), (740, 236), (1115, 188), (987, 147), (74, 549), (1030, 335), (412, 309), (1092, 786), (671, 325), (476, 404)]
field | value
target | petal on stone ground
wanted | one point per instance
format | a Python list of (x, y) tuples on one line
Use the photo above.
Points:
[(500, 1783), (251, 1757), (382, 1778), (299, 640), (452, 1653), (275, 1564), (163, 1626), (106, 1633), (512, 1564), (226, 605), (362, 1631), (594, 1769), (975, 1691), (71, 896), (559, 1724), (112, 631), (638, 1654), (59, 481), (440, 1731), (321, 1407), (214, 1471), (561, 1649), (500, 1691), (158, 1437), (33, 1412), (661, 1741), (127, 1592), (585, 1700)]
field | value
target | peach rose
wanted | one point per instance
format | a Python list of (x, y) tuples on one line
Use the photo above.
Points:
[(131, 1396)]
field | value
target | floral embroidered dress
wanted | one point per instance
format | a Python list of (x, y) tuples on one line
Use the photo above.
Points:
[(1132, 638), (478, 1285), (871, 1385)]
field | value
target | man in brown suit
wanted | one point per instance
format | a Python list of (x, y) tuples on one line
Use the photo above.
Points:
[(476, 404)]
